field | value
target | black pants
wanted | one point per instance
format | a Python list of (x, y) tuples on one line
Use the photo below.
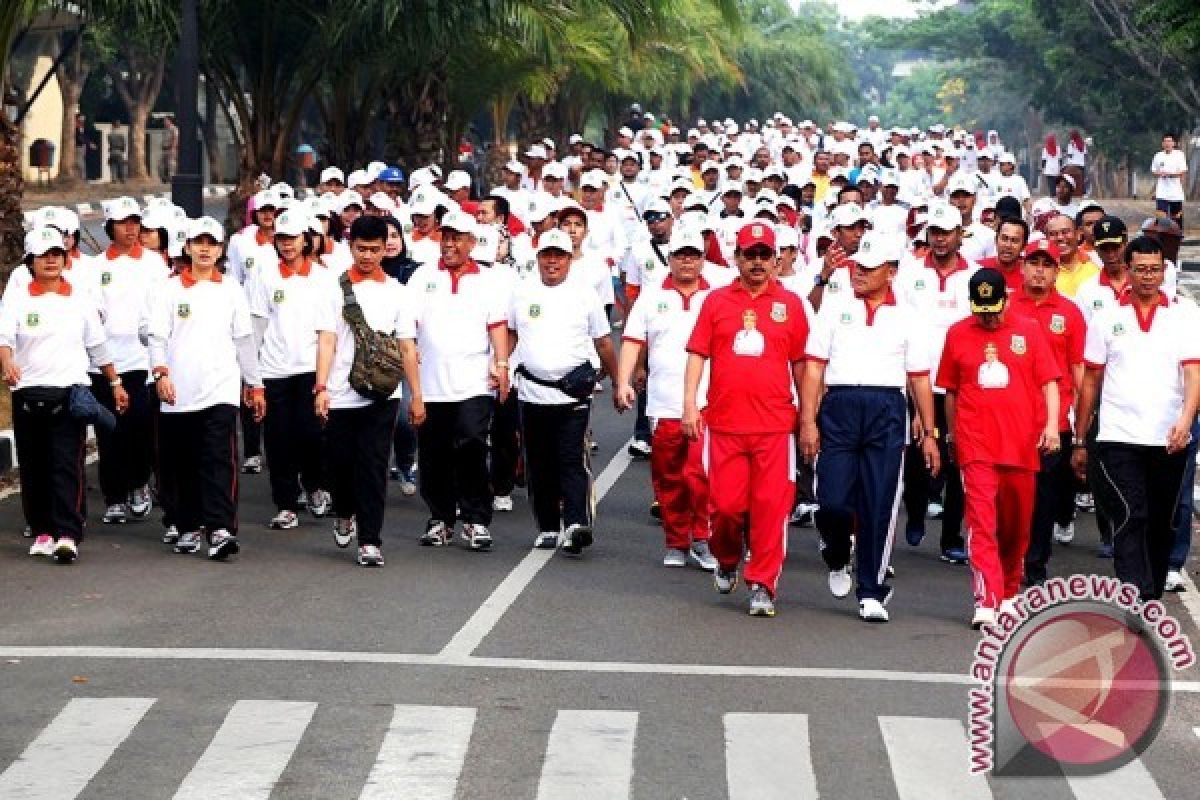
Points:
[(357, 441), (199, 467), (404, 438), (641, 424), (292, 434), (251, 433), (920, 487), (1054, 481), (1139, 488), (452, 455), (506, 446), (557, 463), (126, 452), (50, 450), (167, 501)]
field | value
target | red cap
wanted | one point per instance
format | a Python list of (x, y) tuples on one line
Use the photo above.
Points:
[(756, 233), (1044, 246)]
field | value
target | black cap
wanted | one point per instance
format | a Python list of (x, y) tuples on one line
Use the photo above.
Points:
[(1109, 230), (988, 291)]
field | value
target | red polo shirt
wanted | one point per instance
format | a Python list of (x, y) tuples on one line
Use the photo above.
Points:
[(1014, 279), (750, 393), (994, 424), (1065, 330)]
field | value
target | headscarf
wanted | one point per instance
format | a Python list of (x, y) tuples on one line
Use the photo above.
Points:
[(1077, 140), (1051, 144)]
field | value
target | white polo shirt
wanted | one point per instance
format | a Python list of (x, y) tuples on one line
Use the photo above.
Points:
[(1096, 294), (662, 320), (123, 286), (1142, 360), (556, 331), (49, 333), (939, 302), (452, 317), (645, 268), (386, 307), (592, 272), (427, 249), (861, 347), (979, 242), (288, 301), (199, 321), (255, 251)]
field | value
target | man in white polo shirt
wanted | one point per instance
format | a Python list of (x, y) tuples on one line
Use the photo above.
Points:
[(124, 277), (460, 314), (660, 323), (358, 430), (1143, 366)]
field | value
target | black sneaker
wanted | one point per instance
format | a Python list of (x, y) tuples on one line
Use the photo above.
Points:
[(436, 534), (222, 544), (576, 538)]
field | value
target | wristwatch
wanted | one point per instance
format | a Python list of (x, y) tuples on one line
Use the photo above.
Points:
[(933, 433)]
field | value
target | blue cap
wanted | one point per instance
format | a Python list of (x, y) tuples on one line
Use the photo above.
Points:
[(392, 175)]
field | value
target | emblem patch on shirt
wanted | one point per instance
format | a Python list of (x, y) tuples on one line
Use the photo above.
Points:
[(649, 267), (920, 284), (663, 308), (32, 320), (846, 319), (535, 311), (833, 286), (1097, 304), (1018, 345), (184, 310), (1118, 329), (105, 278), (1058, 323), (278, 296), (431, 287), (779, 312), (249, 262)]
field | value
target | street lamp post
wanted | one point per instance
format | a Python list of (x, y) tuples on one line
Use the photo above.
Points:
[(187, 185)]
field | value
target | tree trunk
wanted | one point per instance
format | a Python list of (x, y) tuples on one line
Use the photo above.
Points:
[(71, 74), (210, 134), (139, 91), (12, 187)]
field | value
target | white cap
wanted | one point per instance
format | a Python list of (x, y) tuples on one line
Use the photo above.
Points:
[(731, 128), (731, 186), (284, 190), (421, 177), (686, 237), (515, 166), (384, 202), (205, 226), (64, 219), (848, 215), (944, 217), (594, 179), (41, 240), (487, 242), (120, 208), (374, 168), (293, 222), (540, 207), (655, 205), (574, 138), (693, 200), (425, 201), (266, 199), (961, 183), (358, 178), (316, 207), (157, 216), (625, 132), (176, 239), (536, 151), (1006, 158), (347, 199), (555, 169), (877, 248), (786, 236), (458, 179), (555, 240), (459, 221), (890, 178), (333, 174), (753, 175), (710, 164)]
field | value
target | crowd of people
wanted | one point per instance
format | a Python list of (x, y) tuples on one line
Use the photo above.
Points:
[(816, 326)]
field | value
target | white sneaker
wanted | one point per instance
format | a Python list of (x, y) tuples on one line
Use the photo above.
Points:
[(702, 555), (675, 558), (872, 610), (222, 544), (1174, 581), (476, 537), (344, 531), (1064, 534), (934, 511), (983, 616), (140, 502), (319, 502), (840, 582), (285, 520), (547, 540), (252, 465), (1008, 606), (42, 546), (502, 503), (370, 556), (170, 535)]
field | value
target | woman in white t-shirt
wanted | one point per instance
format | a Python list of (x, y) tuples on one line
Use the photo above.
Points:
[(201, 352), (1169, 167), (49, 334), (1051, 163)]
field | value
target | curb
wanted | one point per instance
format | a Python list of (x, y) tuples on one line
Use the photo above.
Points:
[(95, 210)]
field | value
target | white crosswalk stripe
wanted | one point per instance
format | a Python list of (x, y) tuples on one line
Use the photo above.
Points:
[(249, 752), (589, 755), (58, 764), (422, 755)]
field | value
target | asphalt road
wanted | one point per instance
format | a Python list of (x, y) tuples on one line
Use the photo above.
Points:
[(289, 672)]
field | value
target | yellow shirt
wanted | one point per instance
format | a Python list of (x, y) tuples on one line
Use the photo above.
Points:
[(1072, 276), (821, 182)]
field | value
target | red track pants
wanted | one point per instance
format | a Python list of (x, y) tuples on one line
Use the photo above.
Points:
[(999, 512), (680, 485), (751, 474)]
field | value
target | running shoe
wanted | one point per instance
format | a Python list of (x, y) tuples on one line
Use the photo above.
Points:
[(43, 545), (408, 481), (285, 520), (871, 610), (65, 550), (983, 616), (140, 502), (188, 542), (27, 532), (934, 510), (639, 449), (115, 514), (1085, 502), (954, 555), (502, 502), (1174, 581), (761, 604), (840, 582), (436, 534), (476, 537), (370, 556), (547, 540), (252, 465), (222, 544), (724, 580), (319, 502), (576, 538), (170, 535), (675, 557), (1064, 534), (702, 555), (344, 531), (914, 534)]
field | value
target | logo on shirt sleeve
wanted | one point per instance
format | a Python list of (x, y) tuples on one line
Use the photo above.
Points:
[(663, 307), (431, 287), (779, 312), (32, 319), (184, 310), (249, 262), (1058, 323), (535, 311), (846, 318), (1018, 344), (105, 278), (277, 297), (1118, 329), (919, 284)]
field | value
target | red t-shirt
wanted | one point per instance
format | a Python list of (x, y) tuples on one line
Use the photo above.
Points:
[(997, 377), (1013, 278), (751, 343), (1065, 330)]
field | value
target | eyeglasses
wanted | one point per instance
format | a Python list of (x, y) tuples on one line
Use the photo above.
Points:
[(759, 254), (1147, 272)]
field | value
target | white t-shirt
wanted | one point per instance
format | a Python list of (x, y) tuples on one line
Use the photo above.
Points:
[(606, 239), (123, 286), (1169, 189), (938, 302), (289, 305), (453, 318), (662, 320), (979, 242), (1012, 186), (49, 334), (250, 255), (592, 272), (861, 348), (386, 307), (1142, 392), (199, 321), (556, 331), (645, 268)]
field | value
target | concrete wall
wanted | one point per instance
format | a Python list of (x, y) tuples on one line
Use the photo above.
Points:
[(44, 120)]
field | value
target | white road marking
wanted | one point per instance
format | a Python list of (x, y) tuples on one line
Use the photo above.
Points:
[(768, 757), (522, 664), (488, 615), (422, 754), (1130, 781), (930, 759), (1190, 597), (589, 756), (67, 754), (249, 752)]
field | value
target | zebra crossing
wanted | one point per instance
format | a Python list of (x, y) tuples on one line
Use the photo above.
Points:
[(588, 755)]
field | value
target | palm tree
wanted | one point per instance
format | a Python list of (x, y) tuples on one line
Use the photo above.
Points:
[(14, 15)]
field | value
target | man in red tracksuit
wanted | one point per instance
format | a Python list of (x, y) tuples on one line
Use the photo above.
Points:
[(1001, 385), (753, 333)]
